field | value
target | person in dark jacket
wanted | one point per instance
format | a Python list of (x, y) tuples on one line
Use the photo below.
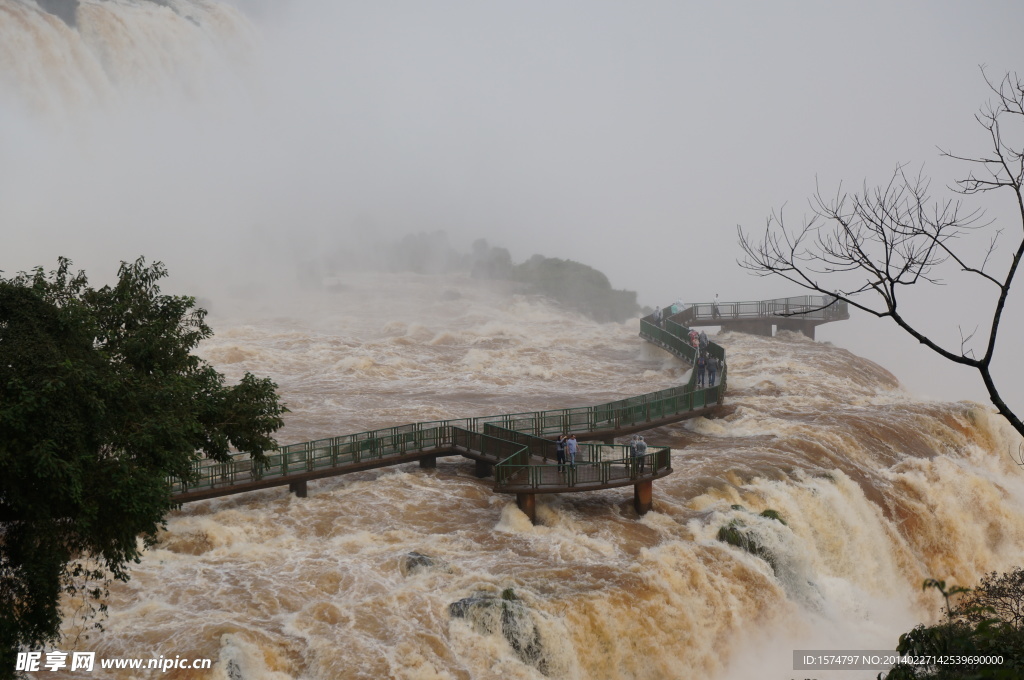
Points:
[(560, 452)]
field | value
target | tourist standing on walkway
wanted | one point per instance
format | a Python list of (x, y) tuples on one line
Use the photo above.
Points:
[(715, 313), (560, 452), (657, 316), (571, 448), (641, 451), (703, 338), (702, 365), (632, 449), (712, 369)]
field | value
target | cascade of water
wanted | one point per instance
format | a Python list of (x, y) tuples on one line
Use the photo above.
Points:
[(61, 56)]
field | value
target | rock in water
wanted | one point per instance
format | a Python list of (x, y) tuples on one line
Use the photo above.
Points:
[(416, 561), (511, 617)]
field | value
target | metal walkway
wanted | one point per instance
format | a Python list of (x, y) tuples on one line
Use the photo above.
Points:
[(517, 448)]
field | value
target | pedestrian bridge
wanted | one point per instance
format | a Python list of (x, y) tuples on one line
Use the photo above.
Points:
[(517, 448)]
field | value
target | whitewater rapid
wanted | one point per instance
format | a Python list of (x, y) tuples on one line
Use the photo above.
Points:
[(878, 491)]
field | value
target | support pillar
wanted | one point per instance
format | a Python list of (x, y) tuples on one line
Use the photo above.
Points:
[(483, 468), (298, 488), (642, 494), (429, 462), (527, 502)]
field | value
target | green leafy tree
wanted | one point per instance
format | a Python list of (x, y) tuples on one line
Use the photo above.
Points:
[(101, 399), (985, 625)]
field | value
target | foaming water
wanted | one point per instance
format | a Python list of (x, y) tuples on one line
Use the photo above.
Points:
[(877, 490)]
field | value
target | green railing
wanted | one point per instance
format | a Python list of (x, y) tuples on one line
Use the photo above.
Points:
[(394, 443), (596, 464), (347, 450), (813, 307), (487, 445), (536, 447)]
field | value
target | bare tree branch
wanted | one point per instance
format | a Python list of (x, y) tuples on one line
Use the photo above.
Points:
[(965, 340), (865, 248)]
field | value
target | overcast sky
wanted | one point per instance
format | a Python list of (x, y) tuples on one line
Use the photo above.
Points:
[(630, 136)]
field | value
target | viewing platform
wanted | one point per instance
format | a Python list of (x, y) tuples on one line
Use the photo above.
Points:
[(802, 313)]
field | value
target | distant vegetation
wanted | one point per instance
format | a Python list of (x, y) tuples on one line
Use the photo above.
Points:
[(575, 285)]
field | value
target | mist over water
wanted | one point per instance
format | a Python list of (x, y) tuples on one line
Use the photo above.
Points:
[(878, 491), (395, 348)]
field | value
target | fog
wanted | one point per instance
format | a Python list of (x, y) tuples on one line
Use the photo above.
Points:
[(634, 138)]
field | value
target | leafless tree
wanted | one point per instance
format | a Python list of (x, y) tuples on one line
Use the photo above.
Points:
[(867, 247)]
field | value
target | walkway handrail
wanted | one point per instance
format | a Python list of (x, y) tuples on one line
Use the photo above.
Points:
[(538, 447), (597, 467), (811, 307), (487, 445), (595, 463)]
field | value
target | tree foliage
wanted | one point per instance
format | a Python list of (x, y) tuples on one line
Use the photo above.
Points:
[(101, 399), (985, 622), (868, 248)]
